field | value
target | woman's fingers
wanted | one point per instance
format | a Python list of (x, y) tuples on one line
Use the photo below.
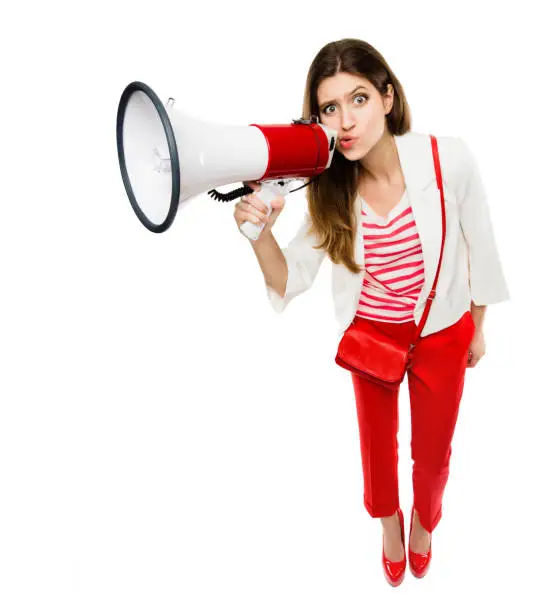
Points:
[(251, 208), (254, 211)]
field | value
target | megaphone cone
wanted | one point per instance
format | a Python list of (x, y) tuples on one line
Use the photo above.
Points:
[(167, 157)]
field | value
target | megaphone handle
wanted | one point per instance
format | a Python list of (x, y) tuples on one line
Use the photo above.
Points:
[(266, 194)]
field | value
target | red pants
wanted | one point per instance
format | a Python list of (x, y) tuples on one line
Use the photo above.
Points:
[(435, 382)]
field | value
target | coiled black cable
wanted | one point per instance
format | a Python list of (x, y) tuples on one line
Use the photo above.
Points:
[(241, 191)]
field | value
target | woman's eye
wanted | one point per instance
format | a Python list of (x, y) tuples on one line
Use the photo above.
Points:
[(357, 96)]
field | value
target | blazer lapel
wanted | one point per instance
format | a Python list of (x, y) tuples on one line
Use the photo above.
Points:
[(417, 164)]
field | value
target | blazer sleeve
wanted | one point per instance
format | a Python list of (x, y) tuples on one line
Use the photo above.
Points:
[(303, 263), (486, 277)]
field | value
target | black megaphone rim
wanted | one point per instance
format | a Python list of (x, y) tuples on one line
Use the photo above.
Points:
[(173, 152)]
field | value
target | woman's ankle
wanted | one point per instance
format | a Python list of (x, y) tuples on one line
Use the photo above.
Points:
[(390, 522)]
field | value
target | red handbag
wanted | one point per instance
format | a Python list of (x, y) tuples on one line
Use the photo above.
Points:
[(370, 353)]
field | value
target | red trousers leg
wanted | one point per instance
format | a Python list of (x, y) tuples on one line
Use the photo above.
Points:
[(378, 426), (378, 421), (436, 380), (435, 386)]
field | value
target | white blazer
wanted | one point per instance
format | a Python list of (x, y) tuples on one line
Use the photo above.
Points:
[(471, 268)]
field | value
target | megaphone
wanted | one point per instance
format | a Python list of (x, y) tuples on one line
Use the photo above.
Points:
[(167, 157)]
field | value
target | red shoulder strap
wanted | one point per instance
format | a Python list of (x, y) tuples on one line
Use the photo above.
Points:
[(432, 293)]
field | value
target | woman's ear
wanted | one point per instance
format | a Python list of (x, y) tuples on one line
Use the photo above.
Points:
[(388, 99)]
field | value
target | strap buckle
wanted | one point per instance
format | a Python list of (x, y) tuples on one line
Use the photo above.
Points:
[(431, 295)]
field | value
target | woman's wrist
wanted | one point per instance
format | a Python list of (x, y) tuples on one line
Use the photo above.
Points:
[(478, 313)]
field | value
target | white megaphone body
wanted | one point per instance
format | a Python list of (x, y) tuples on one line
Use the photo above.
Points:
[(167, 157)]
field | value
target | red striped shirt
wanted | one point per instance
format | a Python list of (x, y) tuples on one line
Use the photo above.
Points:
[(394, 266)]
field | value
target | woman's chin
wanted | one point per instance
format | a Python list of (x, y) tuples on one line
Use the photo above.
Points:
[(352, 153)]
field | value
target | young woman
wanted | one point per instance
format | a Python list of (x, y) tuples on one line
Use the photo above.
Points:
[(376, 213)]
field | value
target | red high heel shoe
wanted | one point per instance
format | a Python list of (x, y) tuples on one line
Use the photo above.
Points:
[(418, 562), (394, 571)]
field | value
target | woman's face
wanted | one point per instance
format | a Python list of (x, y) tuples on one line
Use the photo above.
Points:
[(353, 107)]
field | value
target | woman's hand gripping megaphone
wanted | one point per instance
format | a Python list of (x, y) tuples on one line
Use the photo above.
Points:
[(254, 214)]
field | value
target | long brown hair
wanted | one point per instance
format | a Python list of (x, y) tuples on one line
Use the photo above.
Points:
[(331, 194)]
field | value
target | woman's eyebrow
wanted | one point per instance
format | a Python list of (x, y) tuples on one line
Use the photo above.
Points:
[(349, 94)]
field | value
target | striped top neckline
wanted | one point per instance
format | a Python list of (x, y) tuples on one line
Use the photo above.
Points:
[(394, 211)]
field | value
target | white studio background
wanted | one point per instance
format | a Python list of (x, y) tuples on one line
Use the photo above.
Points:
[(167, 441)]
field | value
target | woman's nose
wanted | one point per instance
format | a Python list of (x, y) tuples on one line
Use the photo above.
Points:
[(347, 120)]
